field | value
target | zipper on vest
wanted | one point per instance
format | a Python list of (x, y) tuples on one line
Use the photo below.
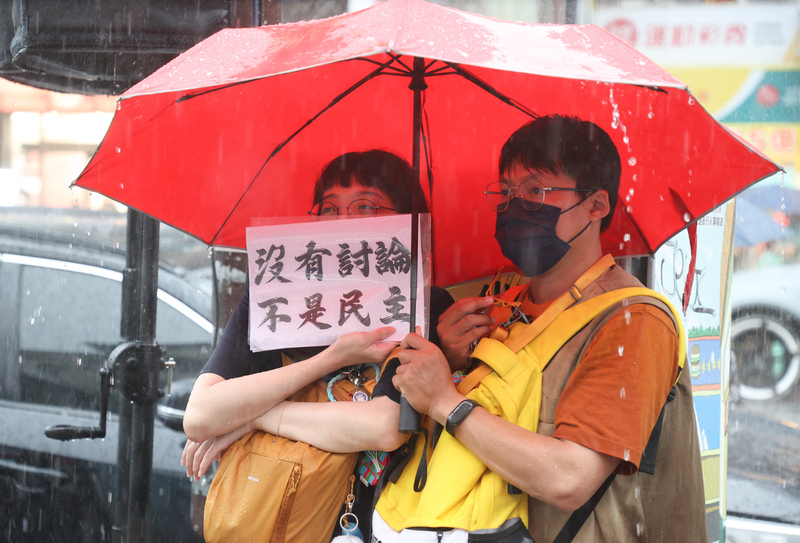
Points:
[(439, 536)]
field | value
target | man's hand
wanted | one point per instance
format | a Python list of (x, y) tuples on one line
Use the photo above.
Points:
[(424, 378), (464, 322)]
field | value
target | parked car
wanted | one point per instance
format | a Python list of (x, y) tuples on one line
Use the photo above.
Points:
[(765, 332), (763, 482), (61, 300)]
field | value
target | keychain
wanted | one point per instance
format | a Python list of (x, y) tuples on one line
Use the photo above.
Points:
[(349, 521)]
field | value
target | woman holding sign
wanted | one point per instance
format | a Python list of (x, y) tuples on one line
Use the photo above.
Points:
[(238, 390)]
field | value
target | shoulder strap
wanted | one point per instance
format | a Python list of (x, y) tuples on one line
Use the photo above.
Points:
[(574, 294)]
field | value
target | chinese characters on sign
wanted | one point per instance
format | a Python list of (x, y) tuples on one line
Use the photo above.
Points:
[(312, 282)]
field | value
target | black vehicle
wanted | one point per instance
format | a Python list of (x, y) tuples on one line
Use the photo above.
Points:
[(61, 301)]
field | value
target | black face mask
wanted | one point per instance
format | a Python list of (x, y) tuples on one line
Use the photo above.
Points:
[(528, 238)]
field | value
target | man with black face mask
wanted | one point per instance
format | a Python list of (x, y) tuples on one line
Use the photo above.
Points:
[(604, 384)]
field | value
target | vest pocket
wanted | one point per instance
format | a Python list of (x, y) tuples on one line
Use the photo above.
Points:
[(286, 503)]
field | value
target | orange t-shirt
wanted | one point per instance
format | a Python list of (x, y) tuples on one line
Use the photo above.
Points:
[(613, 398)]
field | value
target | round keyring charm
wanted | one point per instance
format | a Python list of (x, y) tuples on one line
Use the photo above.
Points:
[(345, 526)]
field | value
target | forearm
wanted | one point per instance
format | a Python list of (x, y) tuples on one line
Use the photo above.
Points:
[(337, 426), (217, 406), (559, 472)]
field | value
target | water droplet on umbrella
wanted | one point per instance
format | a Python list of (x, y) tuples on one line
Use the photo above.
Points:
[(620, 349), (687, 217), (622, 393), (119, 150), (626, 237), (632, 161)]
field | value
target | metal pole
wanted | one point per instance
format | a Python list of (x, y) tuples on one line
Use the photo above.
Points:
[(137, 378)]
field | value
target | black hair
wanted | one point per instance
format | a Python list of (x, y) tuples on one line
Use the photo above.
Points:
[(570, 146), (374, 169)]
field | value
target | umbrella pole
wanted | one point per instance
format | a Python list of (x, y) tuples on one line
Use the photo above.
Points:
[(409, 418)]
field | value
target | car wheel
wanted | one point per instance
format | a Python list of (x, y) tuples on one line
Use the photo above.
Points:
[(766, 353)]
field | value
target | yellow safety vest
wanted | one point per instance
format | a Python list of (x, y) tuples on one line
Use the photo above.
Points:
[(461, 492)]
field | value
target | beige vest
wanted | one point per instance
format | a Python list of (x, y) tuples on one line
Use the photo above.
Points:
[(668, 506)]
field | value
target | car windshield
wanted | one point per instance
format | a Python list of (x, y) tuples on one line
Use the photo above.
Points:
[(73, 261)]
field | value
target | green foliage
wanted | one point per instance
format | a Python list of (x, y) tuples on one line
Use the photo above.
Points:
[(702, 331)]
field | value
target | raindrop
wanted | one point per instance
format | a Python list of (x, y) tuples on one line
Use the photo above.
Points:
[(109, 497), (80, 361), (632, 161), (122, 185), (691, 100), (687, 217), (627, 317), (119, 150), (626, 237), (638, 528), (620, 349), (622, 393), (630, 191), (650, 114), (626, 455), (637, 492)]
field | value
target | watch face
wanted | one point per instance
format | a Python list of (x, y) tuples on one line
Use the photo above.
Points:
[(461, 411)]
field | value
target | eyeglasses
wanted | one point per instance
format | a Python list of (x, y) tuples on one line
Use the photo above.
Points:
[(356, 207), (499, 195)]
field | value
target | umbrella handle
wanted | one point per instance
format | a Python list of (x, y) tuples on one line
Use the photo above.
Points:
[(409, 418)]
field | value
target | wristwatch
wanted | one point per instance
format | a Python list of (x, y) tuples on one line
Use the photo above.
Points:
[(458, 415)]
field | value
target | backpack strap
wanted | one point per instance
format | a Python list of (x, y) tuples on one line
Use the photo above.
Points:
[(574, 294)]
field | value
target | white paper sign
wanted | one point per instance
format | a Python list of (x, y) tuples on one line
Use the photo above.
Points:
[(312, 282)]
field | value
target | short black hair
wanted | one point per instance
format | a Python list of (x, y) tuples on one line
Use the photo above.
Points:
[(374, 169), (567, 145)]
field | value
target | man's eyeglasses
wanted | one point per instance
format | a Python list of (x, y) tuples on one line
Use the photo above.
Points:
[(531, 193), (356, 207)]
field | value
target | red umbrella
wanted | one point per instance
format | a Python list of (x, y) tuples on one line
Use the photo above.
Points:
[(238, 127)]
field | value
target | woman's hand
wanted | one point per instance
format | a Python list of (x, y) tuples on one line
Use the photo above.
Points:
[(197, 457), (361, 347)]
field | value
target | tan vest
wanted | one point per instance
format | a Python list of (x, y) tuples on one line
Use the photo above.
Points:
[(668, 506)]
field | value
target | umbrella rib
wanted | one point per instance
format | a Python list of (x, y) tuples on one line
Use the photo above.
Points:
[(281, 145), (491, 90), (190, 95), (388, 67)]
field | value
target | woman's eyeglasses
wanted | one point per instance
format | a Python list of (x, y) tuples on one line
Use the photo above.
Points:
[(356, 207), (531, 194)]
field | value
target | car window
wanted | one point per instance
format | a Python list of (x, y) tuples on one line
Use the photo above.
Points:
[(69, 322)]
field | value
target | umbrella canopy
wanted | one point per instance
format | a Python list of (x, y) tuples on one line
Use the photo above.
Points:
[(774, 198), (754, 225), (238, 127)]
